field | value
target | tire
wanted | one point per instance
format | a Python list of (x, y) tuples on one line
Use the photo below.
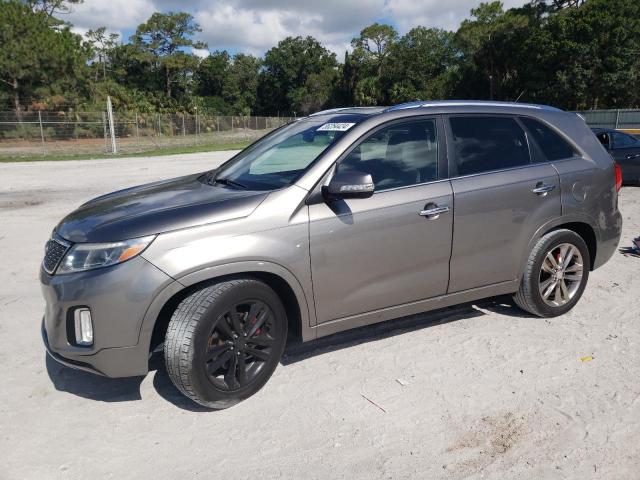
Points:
[(540, 272), (201, 351)]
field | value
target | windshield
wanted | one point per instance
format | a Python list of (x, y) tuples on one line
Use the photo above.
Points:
[(281, 157)]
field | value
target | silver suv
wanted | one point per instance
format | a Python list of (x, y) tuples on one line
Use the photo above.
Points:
[(338, 220)]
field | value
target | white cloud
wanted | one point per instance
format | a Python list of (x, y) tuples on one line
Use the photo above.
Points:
[(254, 26), (116, 15), (200, 52), (434, 13)]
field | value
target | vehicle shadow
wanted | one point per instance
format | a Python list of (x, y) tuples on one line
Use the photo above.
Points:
[(296, 352), (167, 390), (92, 386)]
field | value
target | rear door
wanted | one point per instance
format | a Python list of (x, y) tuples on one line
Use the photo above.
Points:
[(501, 198)]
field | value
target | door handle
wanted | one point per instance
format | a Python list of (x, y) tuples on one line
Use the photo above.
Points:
[(543, 188), (433, 211), (633, 156)]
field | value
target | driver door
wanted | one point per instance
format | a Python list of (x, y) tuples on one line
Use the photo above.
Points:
[(384, 251)]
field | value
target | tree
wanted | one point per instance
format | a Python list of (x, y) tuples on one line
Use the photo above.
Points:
[(370, 53), (491, 51), (240, 90), (591, 56), (162, 40), (284, 81), (51, 8), (36, 57), (102, 46), (211, 75), (420, 65)]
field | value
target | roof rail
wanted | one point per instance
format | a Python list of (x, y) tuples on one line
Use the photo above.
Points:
[(360, 110), (461, 103)]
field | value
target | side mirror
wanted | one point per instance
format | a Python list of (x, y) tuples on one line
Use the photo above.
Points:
[(349, 184)]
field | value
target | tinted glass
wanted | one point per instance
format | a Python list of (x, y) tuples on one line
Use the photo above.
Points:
[(482, 144), (603, 138), (397, 156), (622, 140), (552, 145)]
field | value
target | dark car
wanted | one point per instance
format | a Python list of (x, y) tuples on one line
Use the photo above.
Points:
[(625, 150)]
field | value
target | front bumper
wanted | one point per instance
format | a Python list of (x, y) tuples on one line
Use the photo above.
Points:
[(118, 297)]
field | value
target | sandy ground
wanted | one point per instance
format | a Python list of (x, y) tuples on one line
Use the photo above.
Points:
[(477, 391)]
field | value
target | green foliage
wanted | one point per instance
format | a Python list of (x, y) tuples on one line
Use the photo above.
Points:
[(291, 70), (574, 54), (36, 57), (420, 65), (161, 41)]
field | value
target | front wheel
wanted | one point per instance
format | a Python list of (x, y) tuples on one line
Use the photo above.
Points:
[(224, 341), (556, 274)]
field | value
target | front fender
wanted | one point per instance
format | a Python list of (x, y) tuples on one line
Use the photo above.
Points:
[(234, 268)]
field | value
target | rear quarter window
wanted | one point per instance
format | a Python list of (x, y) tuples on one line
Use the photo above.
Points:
[(552, 145), (485, 143)]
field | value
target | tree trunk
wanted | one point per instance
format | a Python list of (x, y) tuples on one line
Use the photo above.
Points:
[(16, 100), (167, 77)]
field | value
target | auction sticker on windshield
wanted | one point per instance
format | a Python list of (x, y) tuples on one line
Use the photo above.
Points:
[(335, 127)]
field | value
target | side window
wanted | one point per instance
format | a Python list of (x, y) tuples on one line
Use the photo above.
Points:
[(553, 146), (603, 137), (397, 156), (622, 140), (483, 144)]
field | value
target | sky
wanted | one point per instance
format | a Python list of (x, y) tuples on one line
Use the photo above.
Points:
[(254, 26)]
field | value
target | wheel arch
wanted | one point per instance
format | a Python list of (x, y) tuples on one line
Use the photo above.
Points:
[(284, 283), (580, 224)]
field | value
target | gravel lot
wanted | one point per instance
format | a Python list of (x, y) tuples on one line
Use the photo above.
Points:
[(478, 391)]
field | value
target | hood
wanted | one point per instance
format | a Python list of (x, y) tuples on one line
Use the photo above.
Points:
[(155, 208)]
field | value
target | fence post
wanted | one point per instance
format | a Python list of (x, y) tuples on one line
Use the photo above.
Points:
[(617, 117), (112, 130), (137, 133), (44, 148), (197, 126), (218, 123), (104, 127), (184, 133)]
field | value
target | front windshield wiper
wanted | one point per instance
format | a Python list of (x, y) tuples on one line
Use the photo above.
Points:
[(228, 181), (213, 178)]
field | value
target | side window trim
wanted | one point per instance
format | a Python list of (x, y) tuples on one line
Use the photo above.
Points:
[(440, 142), (451, 164)]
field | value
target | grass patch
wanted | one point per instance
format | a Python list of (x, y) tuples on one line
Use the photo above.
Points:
[(214, 147)]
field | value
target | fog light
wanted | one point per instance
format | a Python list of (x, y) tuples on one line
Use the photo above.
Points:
[(83, 326)]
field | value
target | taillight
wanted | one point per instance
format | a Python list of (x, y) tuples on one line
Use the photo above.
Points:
[(618, 171)]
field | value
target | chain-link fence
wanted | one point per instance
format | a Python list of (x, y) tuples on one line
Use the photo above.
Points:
[(68, 133)]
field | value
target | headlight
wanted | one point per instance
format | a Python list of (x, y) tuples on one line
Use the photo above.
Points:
[(86, 256)]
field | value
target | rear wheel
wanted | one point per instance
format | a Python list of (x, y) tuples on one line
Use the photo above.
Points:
[(556, 274), (224, 341)]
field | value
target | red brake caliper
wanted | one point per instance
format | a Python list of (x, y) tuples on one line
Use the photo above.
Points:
[(253, 322)]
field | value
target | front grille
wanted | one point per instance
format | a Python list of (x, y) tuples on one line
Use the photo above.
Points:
[(53, 253)]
